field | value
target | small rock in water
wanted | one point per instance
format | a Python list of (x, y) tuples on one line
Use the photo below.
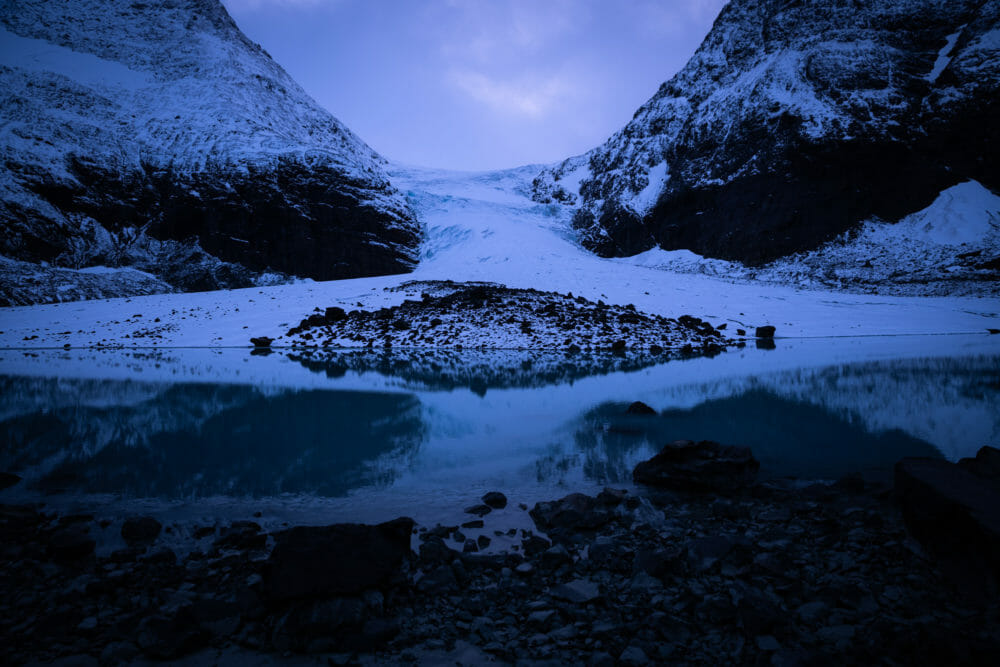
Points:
[(495, 499), (765, 332), (479, 510), (261, 341)]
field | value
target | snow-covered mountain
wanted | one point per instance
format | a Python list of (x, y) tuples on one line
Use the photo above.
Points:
[(795, 121), (155, 135)]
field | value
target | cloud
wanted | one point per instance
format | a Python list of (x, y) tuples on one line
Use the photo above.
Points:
[(531, 98)]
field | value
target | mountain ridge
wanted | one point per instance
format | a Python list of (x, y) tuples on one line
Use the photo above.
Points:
[(156, 135), (793, 122)]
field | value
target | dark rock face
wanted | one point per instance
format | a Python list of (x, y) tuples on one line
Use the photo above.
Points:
[(955, 514), (793, 122), (342, 559), (228, 178), (764, 332), (703, 466)]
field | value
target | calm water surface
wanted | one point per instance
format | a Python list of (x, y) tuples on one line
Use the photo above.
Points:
[(361, 436)]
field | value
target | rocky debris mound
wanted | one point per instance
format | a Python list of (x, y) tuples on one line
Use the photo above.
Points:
[(954, 511), (487, 316), (703, 466)]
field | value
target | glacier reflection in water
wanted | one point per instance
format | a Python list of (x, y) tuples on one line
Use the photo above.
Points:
[(394, 430)]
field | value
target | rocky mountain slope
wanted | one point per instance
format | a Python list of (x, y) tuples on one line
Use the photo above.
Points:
[(156, 136), (795, 121)]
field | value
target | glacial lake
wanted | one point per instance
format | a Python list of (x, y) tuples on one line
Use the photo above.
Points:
[(361, 436)]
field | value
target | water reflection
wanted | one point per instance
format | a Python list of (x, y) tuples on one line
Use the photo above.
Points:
[(384, 425), (191, 440), (482, 370), (789, 437)]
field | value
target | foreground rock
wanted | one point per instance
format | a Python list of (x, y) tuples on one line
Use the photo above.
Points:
[(783, 574), (685, 465), (342, 559), (955, 514)]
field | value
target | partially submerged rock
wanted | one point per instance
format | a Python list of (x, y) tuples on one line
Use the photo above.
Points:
[(261, 341), (685, 465), (765, 332), (640, 408)]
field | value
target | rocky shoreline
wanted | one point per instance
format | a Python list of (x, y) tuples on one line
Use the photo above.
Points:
[(703, 565)]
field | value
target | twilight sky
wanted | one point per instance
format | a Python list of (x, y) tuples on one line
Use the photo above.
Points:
[(479, 84)]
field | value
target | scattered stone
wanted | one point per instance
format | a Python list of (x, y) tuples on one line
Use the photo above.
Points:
[(578, 591), (479, 510)]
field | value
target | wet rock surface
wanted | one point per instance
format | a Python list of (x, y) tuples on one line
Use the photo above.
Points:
[(778, 573), (685, 465)]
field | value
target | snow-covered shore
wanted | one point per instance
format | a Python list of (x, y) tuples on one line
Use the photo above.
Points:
[(484, 227)]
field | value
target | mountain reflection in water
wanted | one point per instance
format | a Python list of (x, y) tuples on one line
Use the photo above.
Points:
[(441, 423)]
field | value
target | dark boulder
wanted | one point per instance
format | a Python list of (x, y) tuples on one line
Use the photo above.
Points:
[(765, 332), (8, 480), (261, 341), (685, 465), (342, 559), (71, 544), (986, 464), (170, 637), (495, 499), (335, 314), (141, 530), (955, 515), (640, 408), (567, 516)]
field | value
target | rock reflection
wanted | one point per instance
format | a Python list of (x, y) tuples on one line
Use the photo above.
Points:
[(196, 440), (481, 370)]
